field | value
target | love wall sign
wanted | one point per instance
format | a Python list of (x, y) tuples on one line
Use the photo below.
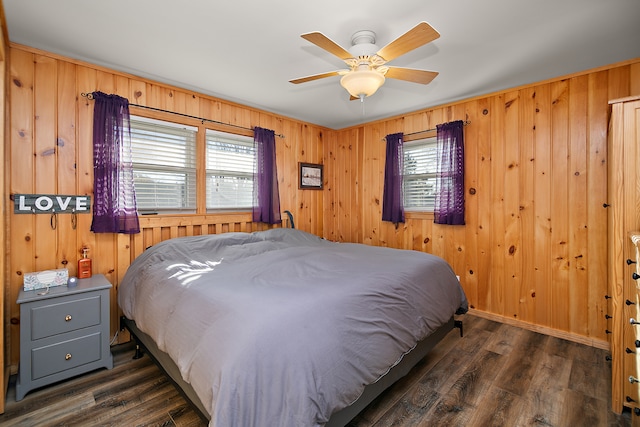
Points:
[(50, 203)]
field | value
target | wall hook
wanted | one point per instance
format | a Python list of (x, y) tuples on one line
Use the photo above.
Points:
[(54, 220)]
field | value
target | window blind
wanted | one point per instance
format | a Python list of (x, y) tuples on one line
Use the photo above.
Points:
[(419, 176), (230, 164), (164, 165)]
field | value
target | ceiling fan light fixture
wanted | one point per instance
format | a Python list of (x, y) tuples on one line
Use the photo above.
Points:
[(362, 83), (367, 63)]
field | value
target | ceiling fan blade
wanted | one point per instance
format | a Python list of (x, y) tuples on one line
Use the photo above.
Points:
[(411, 75), (327, 44), (419, 35), (315, 77)]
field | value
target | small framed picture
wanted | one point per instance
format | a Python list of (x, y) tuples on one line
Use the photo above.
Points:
[(310, 176)]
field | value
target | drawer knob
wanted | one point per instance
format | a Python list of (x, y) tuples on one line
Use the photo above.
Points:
[(633, 379), (634, 321), (67, 318), (67, 356)]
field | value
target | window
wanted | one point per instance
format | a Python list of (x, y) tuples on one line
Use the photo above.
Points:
[(164, 166), (230, 165), (419, 175)]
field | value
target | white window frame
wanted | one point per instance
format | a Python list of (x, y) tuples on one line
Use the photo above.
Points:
[(143, 159), (236, 170), (425, 146)]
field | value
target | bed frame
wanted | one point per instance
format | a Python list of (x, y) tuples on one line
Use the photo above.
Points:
[(338, 419)]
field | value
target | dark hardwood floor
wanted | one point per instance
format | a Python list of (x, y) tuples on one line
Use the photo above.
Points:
[(496, 375)]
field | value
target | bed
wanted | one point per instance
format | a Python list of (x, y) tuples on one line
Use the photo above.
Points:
[(281, 327)]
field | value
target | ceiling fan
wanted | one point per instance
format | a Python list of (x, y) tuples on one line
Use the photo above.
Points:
[(367, 63)]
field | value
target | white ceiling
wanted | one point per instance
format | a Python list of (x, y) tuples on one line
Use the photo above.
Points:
[(246, 51)]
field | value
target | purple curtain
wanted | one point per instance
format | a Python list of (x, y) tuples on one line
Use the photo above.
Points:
[(392, 207), (266, 198), (449, 203), (114, 198)]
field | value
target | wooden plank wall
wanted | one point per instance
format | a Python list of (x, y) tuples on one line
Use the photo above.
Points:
[(50, 152), (534, 247), (4, 108)]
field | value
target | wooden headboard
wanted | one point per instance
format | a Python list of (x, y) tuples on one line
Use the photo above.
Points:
[(154, 229)]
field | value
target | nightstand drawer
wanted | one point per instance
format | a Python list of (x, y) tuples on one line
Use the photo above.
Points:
[(65, 355), (65, 316)]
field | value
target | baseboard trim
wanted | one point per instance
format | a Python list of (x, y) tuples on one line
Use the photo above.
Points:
[(580, 339)]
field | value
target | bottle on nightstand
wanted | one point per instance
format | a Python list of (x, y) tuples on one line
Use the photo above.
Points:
[(84, 265)]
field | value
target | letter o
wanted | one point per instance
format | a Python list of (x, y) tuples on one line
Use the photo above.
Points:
[(47, 206)]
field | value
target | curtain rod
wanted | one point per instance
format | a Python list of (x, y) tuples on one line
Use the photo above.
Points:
[(90, 96), (465, 123)]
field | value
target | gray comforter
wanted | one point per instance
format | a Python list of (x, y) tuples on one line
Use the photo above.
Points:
[(282, 328)]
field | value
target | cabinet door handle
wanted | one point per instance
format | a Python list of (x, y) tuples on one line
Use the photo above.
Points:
[(635, 276), (67, 356), (67, 318), (629, 302)]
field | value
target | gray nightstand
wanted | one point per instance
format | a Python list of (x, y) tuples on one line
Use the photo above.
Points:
[(63, 333)]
